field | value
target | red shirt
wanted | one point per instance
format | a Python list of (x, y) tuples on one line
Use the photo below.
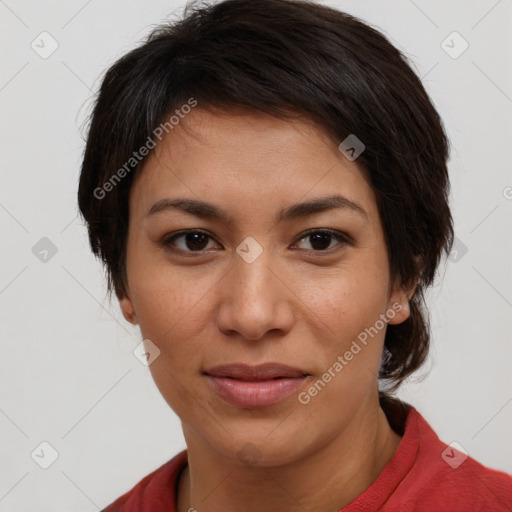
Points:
[(424, 475)]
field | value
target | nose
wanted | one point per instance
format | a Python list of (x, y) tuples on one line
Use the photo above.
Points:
[(255, 300)]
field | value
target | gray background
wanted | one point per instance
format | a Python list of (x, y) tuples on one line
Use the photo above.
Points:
[(68, 373)]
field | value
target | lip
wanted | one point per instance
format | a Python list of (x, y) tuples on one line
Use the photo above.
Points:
[(264, 371), (255, 386)]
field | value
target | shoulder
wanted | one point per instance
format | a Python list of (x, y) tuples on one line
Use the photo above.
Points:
[(156, 491), (445, 477), (471, 487)]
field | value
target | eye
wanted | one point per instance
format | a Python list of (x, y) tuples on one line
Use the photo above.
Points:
[(187, 241), (196, 241), (321, 239)]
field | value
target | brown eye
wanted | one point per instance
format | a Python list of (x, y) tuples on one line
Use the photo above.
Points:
[(321, 239), (188, 241)]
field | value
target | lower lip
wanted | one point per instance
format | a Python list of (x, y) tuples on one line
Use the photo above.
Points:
[(255, 393)]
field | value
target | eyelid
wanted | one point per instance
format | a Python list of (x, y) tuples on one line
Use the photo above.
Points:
[(341, 237), (166, 241), (338, 235)]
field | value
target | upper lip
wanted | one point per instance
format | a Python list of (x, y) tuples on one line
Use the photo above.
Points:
[(260, 372)]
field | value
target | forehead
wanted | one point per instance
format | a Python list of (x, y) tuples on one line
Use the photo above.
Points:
[(248, 155), (237, 134)]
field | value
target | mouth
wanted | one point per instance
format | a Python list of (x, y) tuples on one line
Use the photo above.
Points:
[(255, 386), (260, 372)]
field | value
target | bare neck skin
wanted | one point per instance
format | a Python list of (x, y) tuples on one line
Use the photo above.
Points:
[(326, 480)]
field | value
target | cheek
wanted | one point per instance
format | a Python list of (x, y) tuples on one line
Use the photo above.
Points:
[(171, 313), (347, 310), (168, 300), (346, 306), (346, 300)]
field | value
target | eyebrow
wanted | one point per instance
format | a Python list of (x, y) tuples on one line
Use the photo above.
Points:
[(207, 210)]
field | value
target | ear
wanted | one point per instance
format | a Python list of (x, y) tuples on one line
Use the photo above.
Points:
[(127, 308), (398, 304)]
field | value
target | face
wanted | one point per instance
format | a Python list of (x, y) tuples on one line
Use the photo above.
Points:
[(252, 278)]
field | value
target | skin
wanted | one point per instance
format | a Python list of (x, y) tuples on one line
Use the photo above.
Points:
[(294, 304)]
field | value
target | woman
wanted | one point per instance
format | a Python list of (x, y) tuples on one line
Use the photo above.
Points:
[(266, 184)]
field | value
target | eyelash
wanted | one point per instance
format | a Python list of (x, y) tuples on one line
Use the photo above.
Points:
[(344, 239)]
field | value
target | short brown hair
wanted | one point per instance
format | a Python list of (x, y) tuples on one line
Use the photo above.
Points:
[(285, 58)]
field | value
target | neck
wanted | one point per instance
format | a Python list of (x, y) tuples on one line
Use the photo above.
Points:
[(327, 479)]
